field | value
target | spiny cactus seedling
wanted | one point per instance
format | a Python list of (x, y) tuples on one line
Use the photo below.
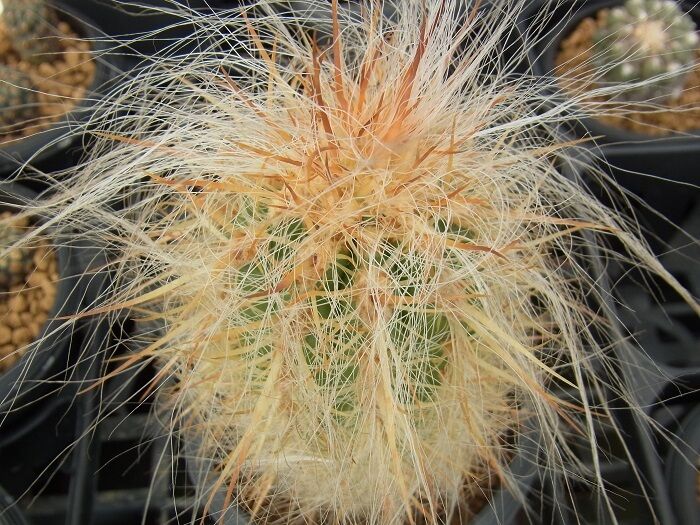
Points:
[(18, 100), (362, 254), (31, 26), (652, 42)]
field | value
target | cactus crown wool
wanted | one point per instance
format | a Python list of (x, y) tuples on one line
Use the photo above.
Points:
[(365, 261), (646, 40)]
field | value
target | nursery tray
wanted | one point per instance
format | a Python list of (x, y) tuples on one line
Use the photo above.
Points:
[(119, 471)]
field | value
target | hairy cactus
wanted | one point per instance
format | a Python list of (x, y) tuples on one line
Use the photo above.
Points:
[(363, 257), (647, 41), (18, 101), (31, 26)]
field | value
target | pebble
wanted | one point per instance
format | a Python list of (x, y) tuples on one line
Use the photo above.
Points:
[(12, 320), (40, 260), (5, 334), (46, 303), (46, 69), (21, 336), (7, 357), (73, 59), (35, 329), (35, 279), (18, 303)]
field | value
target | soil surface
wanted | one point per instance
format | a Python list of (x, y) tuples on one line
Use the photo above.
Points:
[(61, 81), (574, 71), (26, 306)]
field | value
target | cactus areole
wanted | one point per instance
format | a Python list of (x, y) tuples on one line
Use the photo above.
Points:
[(651, 42)]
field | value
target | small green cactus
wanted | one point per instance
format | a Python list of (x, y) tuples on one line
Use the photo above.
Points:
[(18, 263), (649, 41), (18, 101), (31, 26)]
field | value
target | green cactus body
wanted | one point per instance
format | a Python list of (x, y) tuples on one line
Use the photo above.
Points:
[(352, 315), (18, 101), (649, 41), (18, 262), (31, 26)]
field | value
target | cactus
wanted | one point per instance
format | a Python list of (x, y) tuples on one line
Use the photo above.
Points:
[(650, 42), (18, 262), (31, 26), (18, 101), (363, 257)]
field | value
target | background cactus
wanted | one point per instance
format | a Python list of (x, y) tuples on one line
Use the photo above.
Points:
[(31, 26), (648, 41), (18, 100)]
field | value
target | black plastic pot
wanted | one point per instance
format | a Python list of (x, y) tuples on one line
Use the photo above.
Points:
[(46, 145), (563, 17), (628, 460), (658, 339), (9, 513), (682, 472), (665, 326), (27, 382)]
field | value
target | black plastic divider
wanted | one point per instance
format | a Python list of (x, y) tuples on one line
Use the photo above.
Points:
[(118, 466), (86, 452)]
